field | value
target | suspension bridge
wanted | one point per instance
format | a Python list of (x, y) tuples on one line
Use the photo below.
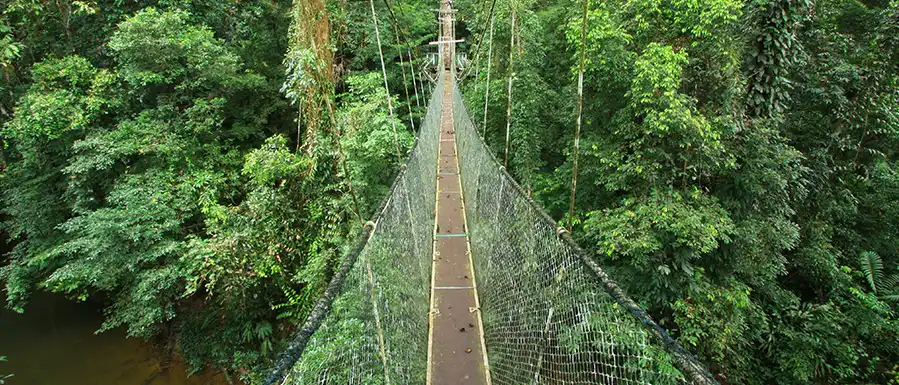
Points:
[(461, 278)]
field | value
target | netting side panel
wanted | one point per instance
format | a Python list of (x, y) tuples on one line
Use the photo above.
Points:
[(377, 330), (547, 319)]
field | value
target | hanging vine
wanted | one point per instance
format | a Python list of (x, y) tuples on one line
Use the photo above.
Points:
[(309, 65), (774, 52)]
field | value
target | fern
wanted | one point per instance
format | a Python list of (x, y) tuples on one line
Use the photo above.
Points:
[(890, 283), (890, 288), (872, 267)]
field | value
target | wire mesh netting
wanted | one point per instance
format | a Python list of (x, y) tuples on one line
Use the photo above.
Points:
[(550, 314), (547, 318), (377, 329)]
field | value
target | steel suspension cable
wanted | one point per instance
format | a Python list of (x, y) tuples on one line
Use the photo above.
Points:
[(396, 139), (511, 76), (580, 116)]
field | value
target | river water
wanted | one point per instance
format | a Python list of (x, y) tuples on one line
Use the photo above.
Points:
[(53, 343)]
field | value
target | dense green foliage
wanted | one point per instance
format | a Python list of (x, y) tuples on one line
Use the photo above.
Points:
[(152, 159), (737, 171), (188, 163)]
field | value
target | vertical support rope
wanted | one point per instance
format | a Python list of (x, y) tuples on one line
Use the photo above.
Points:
[(452, 36), (580, 116), (441, 37), (396, 33), (396, 138), (414, 84), (543, 338), (408, 45), (411, 220), (374, 305), (487, 88), (425, 92), (511, 76)]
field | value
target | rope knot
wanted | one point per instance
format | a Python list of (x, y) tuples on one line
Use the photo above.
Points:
[(369, 224), (560, 231)]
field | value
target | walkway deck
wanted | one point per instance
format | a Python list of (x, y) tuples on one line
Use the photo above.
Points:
[(457, 354)]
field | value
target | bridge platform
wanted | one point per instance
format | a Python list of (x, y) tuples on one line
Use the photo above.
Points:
[(456, 346)]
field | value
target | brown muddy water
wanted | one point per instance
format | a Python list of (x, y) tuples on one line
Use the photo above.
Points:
[(53, 343)]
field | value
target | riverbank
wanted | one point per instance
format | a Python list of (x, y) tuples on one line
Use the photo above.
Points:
[(53, 343)]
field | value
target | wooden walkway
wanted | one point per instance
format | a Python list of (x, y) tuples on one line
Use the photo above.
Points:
[(456, 353)]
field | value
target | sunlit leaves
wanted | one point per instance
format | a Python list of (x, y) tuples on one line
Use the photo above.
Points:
[(274, 163), (654, 93), (161, 47), (609, 48), (58, 103), (644, 229), (704, 19), (657, 73)]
